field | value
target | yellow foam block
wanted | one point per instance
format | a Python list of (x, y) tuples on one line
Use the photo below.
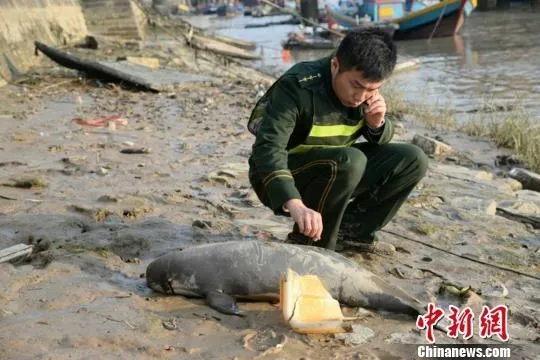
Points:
[(307, 306)]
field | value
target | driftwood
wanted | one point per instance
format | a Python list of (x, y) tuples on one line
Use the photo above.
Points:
[(247, 45), (14, 252), (525, 219), (218, 47)]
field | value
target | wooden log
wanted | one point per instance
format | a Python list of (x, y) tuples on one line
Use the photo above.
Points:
[(14, 252), (218, 47), (247, 45), (529, 179)]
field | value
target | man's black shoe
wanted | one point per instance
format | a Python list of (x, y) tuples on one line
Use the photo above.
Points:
[(368, 244), (298, 239)]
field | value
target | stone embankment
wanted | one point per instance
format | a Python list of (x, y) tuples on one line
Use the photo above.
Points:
[(58, 23), (24, 21)]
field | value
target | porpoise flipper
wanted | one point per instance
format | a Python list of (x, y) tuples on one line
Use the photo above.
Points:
[(224, 303)]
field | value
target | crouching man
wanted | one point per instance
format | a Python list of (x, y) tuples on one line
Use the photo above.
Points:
[(306, 162)]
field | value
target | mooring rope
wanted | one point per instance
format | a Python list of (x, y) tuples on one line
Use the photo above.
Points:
[(500, 267)]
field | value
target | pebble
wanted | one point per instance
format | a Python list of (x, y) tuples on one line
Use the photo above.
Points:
[(102, 171), (485, 206), (358, 336), (431, 146), (513, 184), (484, 175)]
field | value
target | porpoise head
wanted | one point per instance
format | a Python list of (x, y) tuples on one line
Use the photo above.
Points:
[(168, 276)]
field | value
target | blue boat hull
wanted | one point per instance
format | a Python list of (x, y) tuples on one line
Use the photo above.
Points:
[(441, 21)]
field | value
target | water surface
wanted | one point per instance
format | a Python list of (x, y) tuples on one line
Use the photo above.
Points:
[(494, 59)]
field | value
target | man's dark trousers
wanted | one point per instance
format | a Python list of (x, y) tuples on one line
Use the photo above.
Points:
[(377, 177)]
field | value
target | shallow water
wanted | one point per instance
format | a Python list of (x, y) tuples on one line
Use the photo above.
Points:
[(492, 61)]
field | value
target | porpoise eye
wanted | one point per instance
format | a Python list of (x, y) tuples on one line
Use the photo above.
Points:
[(169, 288)]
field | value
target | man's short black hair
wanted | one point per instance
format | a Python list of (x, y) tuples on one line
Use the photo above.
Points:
[(369, 50)]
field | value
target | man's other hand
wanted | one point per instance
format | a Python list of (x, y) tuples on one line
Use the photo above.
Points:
[(309, 221), (374, 111)]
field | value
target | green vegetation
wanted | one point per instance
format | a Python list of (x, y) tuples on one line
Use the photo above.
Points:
[(424, 229), (508, 127), (513, 130)]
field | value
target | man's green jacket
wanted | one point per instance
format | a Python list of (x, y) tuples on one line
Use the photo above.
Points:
[(298, 113)]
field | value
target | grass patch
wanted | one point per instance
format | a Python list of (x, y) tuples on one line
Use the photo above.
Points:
[(424, 229), (508, 127), (512, 130), (395, 102)]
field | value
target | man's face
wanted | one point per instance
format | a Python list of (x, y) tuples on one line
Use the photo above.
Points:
[(350, 86)]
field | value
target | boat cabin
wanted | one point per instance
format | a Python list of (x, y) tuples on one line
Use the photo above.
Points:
[(383, 10)]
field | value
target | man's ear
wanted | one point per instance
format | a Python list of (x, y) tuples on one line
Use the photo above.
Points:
[(334, 65)]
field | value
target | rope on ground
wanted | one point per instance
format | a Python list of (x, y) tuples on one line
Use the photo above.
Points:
[(500, 267)]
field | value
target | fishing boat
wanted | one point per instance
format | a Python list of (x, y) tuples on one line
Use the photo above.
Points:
[(353, 15), (440, 19), (347, 23)]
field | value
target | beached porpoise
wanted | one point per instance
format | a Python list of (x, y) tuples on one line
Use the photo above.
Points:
[(222, 272)]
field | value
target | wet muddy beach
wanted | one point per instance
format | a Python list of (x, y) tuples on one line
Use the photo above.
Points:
[(97, 215)]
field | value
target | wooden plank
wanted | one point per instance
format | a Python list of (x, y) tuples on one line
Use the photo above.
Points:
[(205, 43), (14, 252), (247, 45), (138, 75)]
